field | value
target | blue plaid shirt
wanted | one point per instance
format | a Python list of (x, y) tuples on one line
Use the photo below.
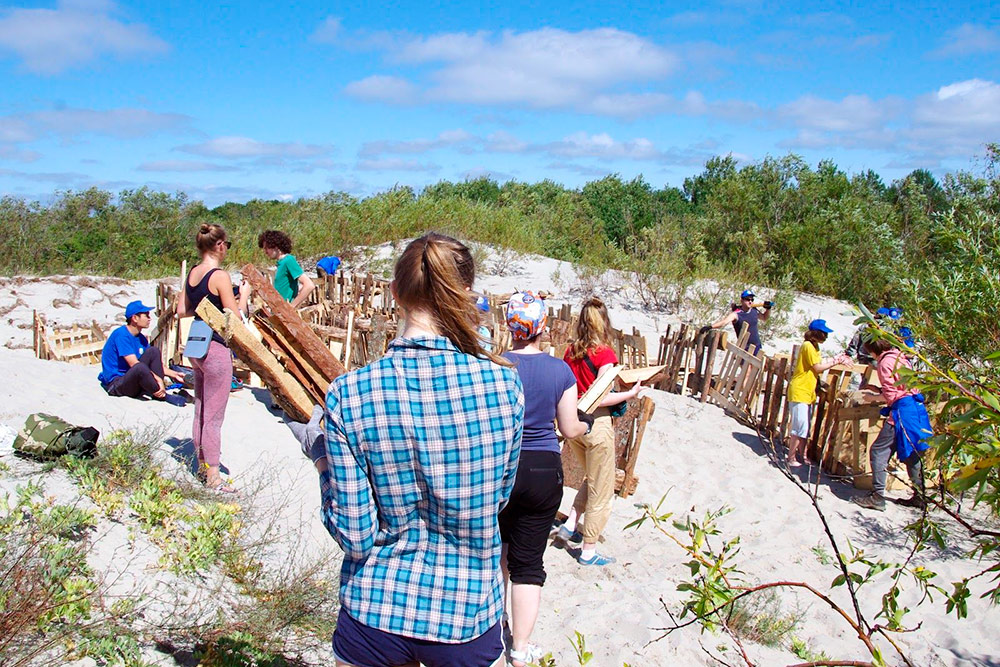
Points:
[(422, 448)]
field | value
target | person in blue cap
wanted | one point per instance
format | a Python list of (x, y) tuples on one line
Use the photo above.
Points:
[(747, 313), (856, 348), (130, 366), (802, 387)]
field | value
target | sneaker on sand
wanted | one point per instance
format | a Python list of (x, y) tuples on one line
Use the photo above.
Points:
[(564, 534), (597, 559), (530, 654), (916, 500), (872, 502)]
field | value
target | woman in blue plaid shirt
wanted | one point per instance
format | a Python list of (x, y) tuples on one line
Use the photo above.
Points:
[(421, 453)]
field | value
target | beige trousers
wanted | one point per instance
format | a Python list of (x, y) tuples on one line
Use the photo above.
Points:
[(596, 452)]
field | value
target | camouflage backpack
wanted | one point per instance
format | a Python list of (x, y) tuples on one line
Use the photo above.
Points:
[(48, 437)]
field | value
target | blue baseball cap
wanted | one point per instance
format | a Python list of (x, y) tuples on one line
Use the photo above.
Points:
[(483, 304), (891, 313), (747, 294), (907, 335), (820, 325), (135, 308)]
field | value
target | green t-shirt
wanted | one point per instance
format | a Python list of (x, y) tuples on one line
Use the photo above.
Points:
[(286, 277)]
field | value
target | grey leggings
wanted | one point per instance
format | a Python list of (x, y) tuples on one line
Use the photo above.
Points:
[(882, 449)]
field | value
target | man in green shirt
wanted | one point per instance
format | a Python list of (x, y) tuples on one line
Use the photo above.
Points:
[(289, 279)]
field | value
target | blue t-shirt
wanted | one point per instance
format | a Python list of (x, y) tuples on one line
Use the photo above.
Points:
[(545, 379), (119, 345)]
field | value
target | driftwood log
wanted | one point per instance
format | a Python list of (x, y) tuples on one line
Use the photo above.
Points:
[(287, 392)]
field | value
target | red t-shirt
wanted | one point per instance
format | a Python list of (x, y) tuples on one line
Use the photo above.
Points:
[(600, 356)]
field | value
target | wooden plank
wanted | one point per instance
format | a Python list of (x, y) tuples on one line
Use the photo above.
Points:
[(286, 390), (313, 349), (598, 390), (629, 481), (711, 345), (630, 376)]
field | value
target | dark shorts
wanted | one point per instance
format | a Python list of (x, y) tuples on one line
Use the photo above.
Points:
[(362, 646), (526, 520)]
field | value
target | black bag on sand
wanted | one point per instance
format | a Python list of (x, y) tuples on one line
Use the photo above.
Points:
[(47, 437)]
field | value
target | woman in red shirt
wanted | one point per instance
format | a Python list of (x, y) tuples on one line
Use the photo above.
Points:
[(590, 356)]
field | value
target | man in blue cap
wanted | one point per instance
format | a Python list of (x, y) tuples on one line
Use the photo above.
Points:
[(747, 313), (856, 348), (129, 365)]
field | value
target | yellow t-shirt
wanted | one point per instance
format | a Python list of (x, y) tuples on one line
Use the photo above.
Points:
[(802, 388)]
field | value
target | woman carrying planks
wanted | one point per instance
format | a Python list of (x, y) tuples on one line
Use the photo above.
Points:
[(525, 523), (213, 373), (590, 356), (420, 455)]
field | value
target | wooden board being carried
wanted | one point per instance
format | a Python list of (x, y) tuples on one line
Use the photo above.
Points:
[(630, 376), (598, 390), (287, 392)]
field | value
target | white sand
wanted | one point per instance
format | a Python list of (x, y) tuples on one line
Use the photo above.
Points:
[(695, 454)]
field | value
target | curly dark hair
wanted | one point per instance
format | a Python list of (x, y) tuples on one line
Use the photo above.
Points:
[(275, 239)]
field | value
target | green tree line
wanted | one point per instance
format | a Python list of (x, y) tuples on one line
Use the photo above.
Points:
[(778, 221)]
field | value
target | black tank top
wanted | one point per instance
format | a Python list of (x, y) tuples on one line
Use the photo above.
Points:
[(200, 291), (750, 317)]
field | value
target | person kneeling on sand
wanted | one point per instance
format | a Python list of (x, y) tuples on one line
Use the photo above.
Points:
[(906, 427), (130, 366), (802, 387)]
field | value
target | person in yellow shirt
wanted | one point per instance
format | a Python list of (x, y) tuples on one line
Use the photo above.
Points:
[(802, 387)]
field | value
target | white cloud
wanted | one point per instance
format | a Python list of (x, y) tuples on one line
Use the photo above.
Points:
[(603, 146), (951, 122), (121, 123), (68, 124), (851, 114), (245, 147), (395, 164), (328, 31), (967, 39), (505, 142), (543, 69), (380, 88), (447, 139), (183, 166), (50, 41)]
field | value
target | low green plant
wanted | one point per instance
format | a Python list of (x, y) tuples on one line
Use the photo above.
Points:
[(801, 649)]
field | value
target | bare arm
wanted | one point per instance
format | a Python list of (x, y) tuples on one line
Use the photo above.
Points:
[(615, 397), (569, 424), (826, 364), (724, 320), (182, 302), (221, 284), (766, 314), (306, 285)]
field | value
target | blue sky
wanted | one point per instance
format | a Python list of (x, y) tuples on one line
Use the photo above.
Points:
[(286, 101)]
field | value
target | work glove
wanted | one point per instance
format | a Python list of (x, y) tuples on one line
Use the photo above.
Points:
[(586, 418), (310, 435), (768, 305), (734, 306), (704, 330)]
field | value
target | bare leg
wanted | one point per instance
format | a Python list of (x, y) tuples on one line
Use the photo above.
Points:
[(525, 600)]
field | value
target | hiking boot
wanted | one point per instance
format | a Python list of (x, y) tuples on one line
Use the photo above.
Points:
[(872, 501)]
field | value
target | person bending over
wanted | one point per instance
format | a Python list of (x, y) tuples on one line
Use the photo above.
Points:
[(130, 366)]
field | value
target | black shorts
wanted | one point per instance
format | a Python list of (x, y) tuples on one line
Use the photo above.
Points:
[(526, 521)]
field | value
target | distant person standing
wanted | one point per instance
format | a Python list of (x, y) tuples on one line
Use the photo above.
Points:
[(289, 279), (746, 313), (130, 366), (213, 373)]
